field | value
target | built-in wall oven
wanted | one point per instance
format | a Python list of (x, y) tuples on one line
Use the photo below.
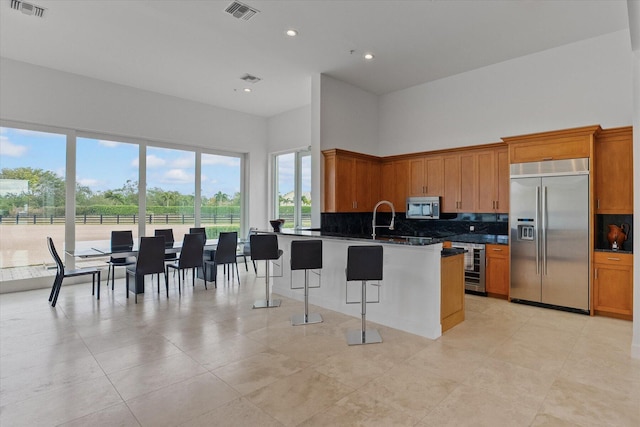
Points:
[(474, 267)]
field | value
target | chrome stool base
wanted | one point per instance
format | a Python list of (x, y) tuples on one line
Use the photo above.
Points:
[(267, 303), (357, 337), (302, 319)]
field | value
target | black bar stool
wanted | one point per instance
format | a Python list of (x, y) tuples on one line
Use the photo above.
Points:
[(364, 263), (305, 255), (265, 247)]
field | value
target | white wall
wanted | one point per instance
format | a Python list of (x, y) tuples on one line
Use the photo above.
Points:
[(348, 117), (634, 30), (579, 84), (44, 96), (290, 130)]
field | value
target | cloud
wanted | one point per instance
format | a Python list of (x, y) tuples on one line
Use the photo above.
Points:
[(88, 182), (8, 148), (178, 176), (153, 161), (184, 162), (110, 144), (214, 159)]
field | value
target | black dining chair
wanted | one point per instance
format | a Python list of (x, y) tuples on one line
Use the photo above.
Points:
[(198, 230), (150, 261), (168, 242), (225, 255), (190, 257), (61, 273), (121, 241)]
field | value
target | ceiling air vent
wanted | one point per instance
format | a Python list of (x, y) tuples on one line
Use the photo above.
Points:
[(241, 11), (27, 8), (250, 79)]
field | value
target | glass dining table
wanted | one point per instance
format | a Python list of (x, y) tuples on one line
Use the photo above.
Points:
[(102, 248)]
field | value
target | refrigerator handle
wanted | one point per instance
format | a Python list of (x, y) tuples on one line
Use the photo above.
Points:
[(537, 230), (544, 230)]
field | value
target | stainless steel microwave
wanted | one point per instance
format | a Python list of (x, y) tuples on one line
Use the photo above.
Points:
[(423, 207)]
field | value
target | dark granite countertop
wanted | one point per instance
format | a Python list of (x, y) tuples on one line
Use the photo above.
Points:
[(407, 240), (493, 239), (447, 252), (619, 251)]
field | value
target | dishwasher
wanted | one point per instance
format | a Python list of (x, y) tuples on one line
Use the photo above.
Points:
[(474, 267)]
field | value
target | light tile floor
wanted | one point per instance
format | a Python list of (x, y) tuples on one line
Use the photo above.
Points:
[(206, 358)]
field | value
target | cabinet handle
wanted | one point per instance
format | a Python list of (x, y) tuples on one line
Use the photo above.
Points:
[(596, 274), (598, 203), (497, 250), (497, 204), (613, 259), (493, 203)]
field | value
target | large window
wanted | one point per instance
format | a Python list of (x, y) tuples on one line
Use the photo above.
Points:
[(32, 195), (106, 188), (220, 185), (170, 190), (292, 188), (183, 185)]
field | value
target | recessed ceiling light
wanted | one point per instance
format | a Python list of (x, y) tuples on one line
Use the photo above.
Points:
[(246, 89), (368, 56), (291, 32)]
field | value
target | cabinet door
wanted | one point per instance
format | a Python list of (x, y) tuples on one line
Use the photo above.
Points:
[(502, 198), (345, 183), (497, 271), (487, 187), (613, 284), (451, 189), (416, 177), (401, 169), (468, 183), (613, 290), (434, 176), (387, 186), (361, 186), (614, 171)]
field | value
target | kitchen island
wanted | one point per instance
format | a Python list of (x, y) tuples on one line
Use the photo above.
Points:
[(410, 292)]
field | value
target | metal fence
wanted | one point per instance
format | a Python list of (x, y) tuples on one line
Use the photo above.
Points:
[(121, 219), (228, 218)]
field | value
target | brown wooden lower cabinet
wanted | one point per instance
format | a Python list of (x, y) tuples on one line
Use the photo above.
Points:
[(613, 284), (497, 270), (451, 291)]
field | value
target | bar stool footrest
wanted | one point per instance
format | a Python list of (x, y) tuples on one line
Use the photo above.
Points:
[(299, 319), (358, 337), (263, 303)]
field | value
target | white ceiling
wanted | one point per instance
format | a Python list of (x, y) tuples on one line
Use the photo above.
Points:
[(192, 49)]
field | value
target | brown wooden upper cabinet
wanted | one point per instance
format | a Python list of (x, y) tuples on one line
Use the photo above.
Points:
[(460, 189), (614, 171), (394, 186), (426, 176), (351, 181), (556, 145), (493, 181)]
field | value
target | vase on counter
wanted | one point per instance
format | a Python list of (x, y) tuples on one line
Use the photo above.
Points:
[(617, 235), (276, 224)]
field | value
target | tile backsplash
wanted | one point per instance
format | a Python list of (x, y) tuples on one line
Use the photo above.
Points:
[(360, 224)]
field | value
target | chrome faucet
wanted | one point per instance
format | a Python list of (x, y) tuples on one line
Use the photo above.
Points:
[(393, 217)]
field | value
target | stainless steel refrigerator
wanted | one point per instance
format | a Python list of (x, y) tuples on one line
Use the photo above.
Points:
[(549, 233)]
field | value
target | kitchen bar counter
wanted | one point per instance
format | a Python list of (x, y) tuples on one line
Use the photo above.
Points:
[(494, 239), (410, 293)]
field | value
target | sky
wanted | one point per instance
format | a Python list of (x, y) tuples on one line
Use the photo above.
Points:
[(102, 165)]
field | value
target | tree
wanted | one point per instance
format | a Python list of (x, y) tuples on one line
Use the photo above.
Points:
[(221, 198), (46, 188)]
